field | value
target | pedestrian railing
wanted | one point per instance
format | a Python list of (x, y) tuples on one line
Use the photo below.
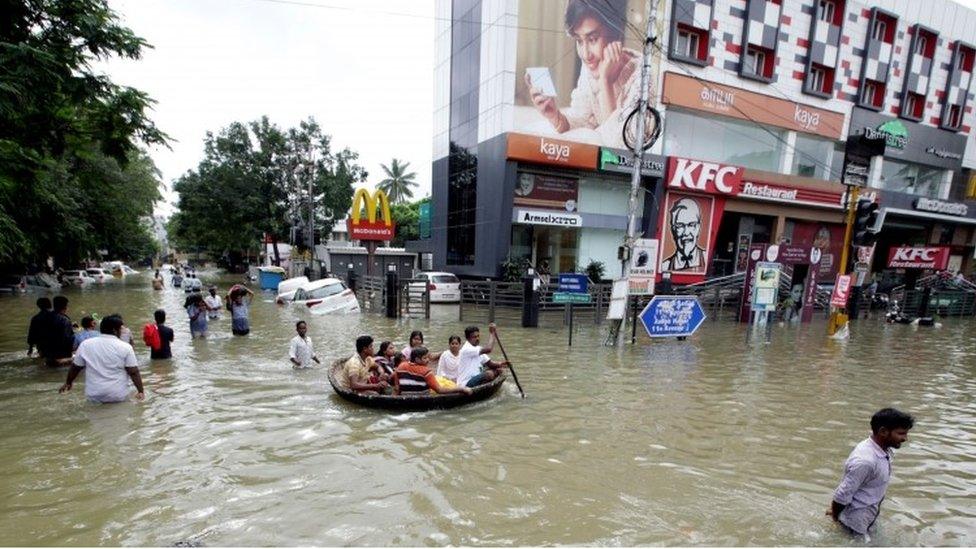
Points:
[(941, 302)]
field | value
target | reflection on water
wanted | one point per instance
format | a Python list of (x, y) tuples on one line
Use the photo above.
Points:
[(716, 440)]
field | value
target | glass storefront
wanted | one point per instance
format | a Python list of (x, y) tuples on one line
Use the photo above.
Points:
[(718, 139), (910, 178), (813, 157)]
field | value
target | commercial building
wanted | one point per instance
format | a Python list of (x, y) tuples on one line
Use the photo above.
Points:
[(757, 99)]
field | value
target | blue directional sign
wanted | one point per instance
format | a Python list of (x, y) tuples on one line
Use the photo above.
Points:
[(574, 283), (672, 316)]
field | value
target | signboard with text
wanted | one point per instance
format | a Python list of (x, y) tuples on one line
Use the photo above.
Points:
[(576, 283), (919, 257), (765, 293), (842, 291), (377, 224), (672, 316), (643, 266)]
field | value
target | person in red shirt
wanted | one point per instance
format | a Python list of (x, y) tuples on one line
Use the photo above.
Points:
[(416, 377)]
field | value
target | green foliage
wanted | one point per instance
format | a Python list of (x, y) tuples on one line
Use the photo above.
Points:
[(595, 270), (406, 216), (254, 178), (72, 177), (398, 184), (513, 269)]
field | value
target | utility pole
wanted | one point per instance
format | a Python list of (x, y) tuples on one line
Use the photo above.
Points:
[(311, 213), (635, 178)]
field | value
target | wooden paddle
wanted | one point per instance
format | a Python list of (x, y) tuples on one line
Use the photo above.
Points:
[(511, 367)]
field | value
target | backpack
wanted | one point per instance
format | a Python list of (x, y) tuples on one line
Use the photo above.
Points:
[(150, 336)]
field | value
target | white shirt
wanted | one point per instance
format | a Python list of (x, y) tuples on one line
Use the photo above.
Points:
[(301, 350), (105, 359), (449, 365), (471, 360), (215, 304)]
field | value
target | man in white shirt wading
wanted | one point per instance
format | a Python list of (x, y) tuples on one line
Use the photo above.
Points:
[(867, 471), (214, 304), (476, 368), (301, 353), (109, 364)]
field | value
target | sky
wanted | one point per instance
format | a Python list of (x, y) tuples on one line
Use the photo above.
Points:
[(362, 68)]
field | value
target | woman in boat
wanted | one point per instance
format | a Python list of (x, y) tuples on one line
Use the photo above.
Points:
[(417, 340), (416, 376), (449, 363), (385, 359)]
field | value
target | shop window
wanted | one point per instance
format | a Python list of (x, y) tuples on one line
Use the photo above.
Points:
[(911, 178), (914, 106), (758, 62), (813, 157), (720, 139)]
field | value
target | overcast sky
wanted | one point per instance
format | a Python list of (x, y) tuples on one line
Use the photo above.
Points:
[(362, 68)]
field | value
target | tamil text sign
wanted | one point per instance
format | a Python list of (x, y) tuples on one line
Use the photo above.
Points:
[(672, 316)]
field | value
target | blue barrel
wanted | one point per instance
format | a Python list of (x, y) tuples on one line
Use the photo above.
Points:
[(270, 277)]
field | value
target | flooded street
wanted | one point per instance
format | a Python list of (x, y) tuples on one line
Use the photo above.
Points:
[(712, 441)]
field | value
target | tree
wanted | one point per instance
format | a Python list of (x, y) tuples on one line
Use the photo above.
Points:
[(254, 179), (406, 216), (398, 184), (68, 135)]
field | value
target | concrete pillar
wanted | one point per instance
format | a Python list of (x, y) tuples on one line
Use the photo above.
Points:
[(779, 229), (786, 163)]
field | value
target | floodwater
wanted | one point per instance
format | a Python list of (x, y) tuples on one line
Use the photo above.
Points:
[(713, 441)]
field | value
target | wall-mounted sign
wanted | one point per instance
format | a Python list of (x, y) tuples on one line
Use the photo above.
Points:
[(622, 161), (711, 97), (545, 150), (707, 177), (918, 257), (643, 266), (909, 141), (546, 191), (543, 217), (939, 206)]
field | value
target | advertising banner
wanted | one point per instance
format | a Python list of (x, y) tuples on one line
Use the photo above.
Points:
[(842, 291), (546, 191), (577, 69), (643, 266), (687, 233), (766, 287), (919, 257)]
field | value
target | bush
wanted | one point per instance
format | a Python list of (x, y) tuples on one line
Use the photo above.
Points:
[(595, 270), (512, 269)]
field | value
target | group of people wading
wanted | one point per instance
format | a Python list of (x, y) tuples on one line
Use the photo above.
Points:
[(411, 370)]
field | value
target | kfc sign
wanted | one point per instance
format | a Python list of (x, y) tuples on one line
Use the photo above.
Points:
[(908, 257), (708, 177)]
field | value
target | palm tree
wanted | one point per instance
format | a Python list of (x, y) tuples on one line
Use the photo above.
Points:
[(398, 182)]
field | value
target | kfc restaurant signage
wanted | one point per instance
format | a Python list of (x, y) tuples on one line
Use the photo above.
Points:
[(694, 93), (713, 178), (546, 150), (919, 257)]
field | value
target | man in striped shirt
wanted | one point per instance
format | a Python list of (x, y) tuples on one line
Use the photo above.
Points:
[(416, 377)]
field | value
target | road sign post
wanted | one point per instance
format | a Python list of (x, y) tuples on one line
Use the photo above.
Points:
[(573, 288), (672, 316)]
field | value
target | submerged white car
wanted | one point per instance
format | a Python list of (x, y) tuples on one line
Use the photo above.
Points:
[(100, 275), (443, 287), (329, 295), (287, 289), (78, 278)]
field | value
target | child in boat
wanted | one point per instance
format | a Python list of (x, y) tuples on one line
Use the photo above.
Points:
[(416, 377), (385, 359)]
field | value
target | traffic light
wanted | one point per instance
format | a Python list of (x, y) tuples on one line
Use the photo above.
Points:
[(865, 218)]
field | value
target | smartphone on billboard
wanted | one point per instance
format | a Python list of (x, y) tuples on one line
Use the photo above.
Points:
[(541, 78)]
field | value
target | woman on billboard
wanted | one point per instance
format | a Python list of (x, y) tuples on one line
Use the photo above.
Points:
[(609, 81)]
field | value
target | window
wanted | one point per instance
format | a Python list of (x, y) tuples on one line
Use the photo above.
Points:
[(954, 118), (687, 44), (719, 139), (920, 44), (868, 92), (911, 178), (910, 104), (879, 30), (872, 94), (817, 78), (813, 157), (755, 62), (826, 11)]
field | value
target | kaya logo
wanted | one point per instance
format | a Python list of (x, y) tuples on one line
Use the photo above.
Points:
[(806, 119), (554, 151), (893, 132)]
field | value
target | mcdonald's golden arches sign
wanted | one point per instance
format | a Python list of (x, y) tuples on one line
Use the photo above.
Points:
[(372, 227)]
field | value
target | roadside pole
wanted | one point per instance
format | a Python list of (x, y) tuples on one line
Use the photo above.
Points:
[(635, 179), (838, 318)]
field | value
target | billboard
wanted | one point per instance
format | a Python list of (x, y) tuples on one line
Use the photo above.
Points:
[(685, 238), (546, 191), (578, 68), (378, 224)]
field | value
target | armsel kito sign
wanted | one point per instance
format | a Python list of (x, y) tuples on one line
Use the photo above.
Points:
[(542, 217)]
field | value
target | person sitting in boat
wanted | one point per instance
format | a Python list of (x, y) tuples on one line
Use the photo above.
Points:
[(385, 360), (450, 362), (354, 374), (416, 377), (417, 340), (476, 368)]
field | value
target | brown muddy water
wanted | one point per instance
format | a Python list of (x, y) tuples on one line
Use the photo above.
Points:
[(713, 441)]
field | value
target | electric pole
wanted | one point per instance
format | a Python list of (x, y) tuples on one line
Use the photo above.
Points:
[(635, 179)]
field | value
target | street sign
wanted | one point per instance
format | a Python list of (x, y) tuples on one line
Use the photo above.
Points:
[(570, 297), (766, 287), (576, 283), (643, 266), (842, 290), (672, 316)]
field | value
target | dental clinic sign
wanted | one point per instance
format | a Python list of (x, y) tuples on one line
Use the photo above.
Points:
[(909, 141), (919, 257)]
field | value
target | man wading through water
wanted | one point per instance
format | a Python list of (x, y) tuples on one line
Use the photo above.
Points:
[(857, 500)]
